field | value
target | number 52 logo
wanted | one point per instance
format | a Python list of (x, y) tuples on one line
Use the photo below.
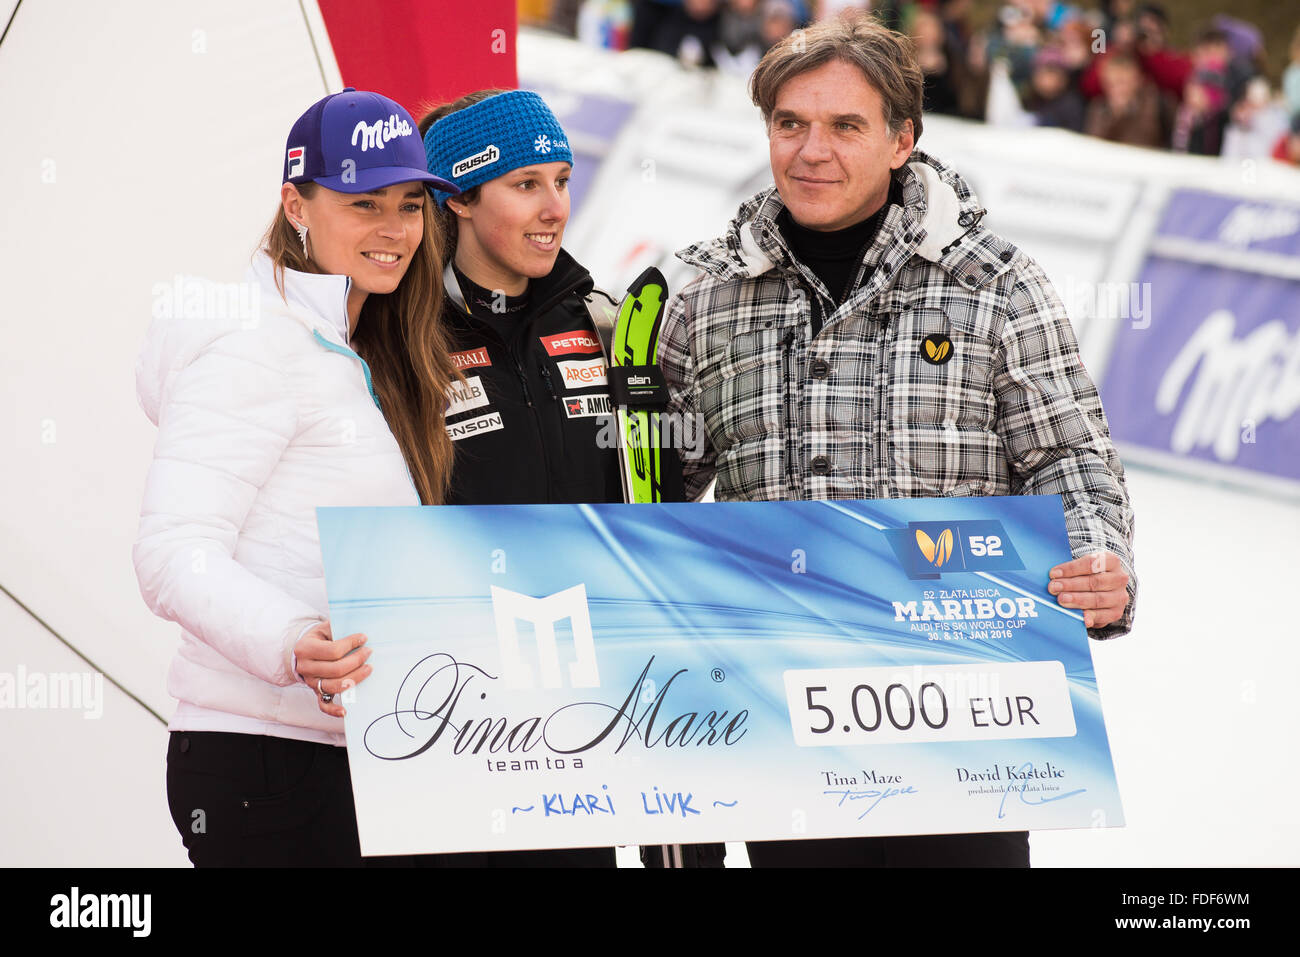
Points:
[(927, 550)]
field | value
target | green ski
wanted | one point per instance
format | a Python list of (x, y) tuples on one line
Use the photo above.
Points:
[(638, 389)]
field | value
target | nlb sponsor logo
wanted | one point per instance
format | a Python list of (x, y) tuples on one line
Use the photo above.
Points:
[(462, 398), (485, 157), (509, 607), (484, 423), (471, 359), (580, 375), (568, 342), (373, 136), (927, 549), (585, 406)]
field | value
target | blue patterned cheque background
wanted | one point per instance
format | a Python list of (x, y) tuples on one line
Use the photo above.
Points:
[(737, 591)]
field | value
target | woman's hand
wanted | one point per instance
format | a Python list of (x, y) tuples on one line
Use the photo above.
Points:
[(331, 667)]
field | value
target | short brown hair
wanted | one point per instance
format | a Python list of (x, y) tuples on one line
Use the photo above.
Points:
[(887, 60)]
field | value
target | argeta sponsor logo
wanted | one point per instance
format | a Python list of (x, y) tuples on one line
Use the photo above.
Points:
[(76, 909), (581, 374), (486, 157)]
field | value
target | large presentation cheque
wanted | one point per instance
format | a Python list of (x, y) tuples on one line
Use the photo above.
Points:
[(580, 675)]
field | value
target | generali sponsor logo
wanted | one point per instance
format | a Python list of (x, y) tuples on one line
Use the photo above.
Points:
[(564, 343), (471, 359), (582, 374)]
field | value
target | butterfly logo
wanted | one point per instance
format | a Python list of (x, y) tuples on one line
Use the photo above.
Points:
[(936, 349), (936, 552)]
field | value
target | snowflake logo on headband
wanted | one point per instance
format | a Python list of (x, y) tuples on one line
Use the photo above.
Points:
[(542, 144)]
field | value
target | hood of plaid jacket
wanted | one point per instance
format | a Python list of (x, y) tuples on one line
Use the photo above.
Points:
[(940, 220)]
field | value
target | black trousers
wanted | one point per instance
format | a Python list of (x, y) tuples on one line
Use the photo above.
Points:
[(1003, 849), (248, 800)]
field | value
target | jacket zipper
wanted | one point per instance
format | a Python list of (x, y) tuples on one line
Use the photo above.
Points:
[(880, 481), (786, 343)]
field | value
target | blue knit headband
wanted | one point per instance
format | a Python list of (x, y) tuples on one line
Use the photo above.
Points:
[(493, 137)]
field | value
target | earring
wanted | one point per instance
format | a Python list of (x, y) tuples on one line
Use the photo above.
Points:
[(302, 235)]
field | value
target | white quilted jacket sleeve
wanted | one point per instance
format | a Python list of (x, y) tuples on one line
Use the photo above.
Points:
[(225, 415)]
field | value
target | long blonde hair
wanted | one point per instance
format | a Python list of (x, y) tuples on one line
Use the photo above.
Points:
[(401, 337)]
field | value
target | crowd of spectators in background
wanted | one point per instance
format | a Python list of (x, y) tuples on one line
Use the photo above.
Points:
[(1108, 70)]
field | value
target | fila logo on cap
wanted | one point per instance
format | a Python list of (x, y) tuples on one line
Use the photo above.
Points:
[(297, 161), (486, 158)]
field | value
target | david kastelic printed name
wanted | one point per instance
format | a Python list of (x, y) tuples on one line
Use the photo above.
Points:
[(429, 709)]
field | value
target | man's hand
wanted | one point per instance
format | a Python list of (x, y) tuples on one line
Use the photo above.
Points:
[(1097, 584)]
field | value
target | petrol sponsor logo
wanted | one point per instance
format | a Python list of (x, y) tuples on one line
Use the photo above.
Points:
[(584, 406), (929, 549), (471, 359), (565, 343), (462, 398), (484, 423), (583, 374)]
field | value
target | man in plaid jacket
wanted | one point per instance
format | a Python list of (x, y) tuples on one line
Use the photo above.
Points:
[(856, 333)]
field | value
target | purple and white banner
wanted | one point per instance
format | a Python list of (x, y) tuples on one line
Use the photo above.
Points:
[(1213, 379)]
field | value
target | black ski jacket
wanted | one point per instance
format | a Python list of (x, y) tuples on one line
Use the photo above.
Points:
[(533, 424)]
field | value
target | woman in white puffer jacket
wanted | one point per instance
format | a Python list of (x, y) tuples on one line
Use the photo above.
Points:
[(326, 388)]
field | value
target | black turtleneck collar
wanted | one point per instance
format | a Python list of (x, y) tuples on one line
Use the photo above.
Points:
[(488, 303), (834, 256), (567, 277)]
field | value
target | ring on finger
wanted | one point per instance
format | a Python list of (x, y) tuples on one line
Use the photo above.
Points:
[(324, 695)]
